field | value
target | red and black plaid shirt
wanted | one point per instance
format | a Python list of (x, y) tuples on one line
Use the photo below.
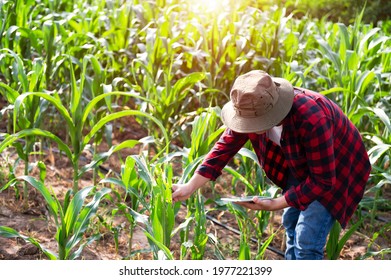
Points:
[(320, 147)]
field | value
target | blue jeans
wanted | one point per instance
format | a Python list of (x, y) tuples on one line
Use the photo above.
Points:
[(306, 231)]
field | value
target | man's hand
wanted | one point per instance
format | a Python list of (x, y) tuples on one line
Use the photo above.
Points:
[(265, 204), (181, 192)]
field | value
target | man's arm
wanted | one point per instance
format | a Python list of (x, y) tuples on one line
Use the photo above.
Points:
[(222, 152)]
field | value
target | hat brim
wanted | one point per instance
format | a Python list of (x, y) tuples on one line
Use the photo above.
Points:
[(266, 121)]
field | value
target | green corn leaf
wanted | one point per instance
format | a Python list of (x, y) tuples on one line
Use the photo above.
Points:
[(168, 158), (99, 158), (83, 219), (67, 200), (383, 117), (76, 254), (189, 169), (11, 233), (329, 53), (377, 253), (333, 90), (128, 171), (42, 170), (54, 101), (76, 95), (332, 242), (187, 82), (335, 249), (140, 218), (368, 38), (265, 245), (364, 80), (98, 76), (17, 68), (114, 181), (20, 151), (160, 245), (244, 250), (74, 209), (240, 177), (143, 171), (250, 154), (182, 226), (37, 76), (51, 202), (10, 183), (378, 186), (345, 41), (121, 114), (10, 139), (212, 137), (377, 152), (9, 93), (157, 216), (130, 190), (291, 44)]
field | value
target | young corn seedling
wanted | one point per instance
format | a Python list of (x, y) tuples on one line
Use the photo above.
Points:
[(242, 220), (71, 219), (136, 191), (204, 132), (200, 237), (162, 215), (154, 196), (246, 227), (334, 243)]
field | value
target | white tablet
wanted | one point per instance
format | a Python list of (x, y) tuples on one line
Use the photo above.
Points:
[(243, 199)]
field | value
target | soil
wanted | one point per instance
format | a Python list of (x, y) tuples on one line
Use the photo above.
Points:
[(34, 220)]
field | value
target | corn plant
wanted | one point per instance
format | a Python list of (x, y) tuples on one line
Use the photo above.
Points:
[(205, 129), (379, 136), (248, 172), (136, 189), (76, 119), (356, 55), (246, 227), (162, 213), (135, 181), (250, 175), (156, 178), (200, 237), (334, 243), (31, 115), (373, 248), (16, 28), (168, 97), (148, 186), (71, 219)]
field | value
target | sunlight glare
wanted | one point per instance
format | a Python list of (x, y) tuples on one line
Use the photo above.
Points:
[(208, 6)]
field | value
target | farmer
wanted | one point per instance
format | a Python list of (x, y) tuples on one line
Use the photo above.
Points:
[(307, 147)]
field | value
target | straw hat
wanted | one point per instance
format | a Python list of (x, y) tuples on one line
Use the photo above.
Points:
[(258, 102)]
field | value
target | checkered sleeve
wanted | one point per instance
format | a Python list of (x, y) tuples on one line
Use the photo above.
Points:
[(319, 153), (223, 151)]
